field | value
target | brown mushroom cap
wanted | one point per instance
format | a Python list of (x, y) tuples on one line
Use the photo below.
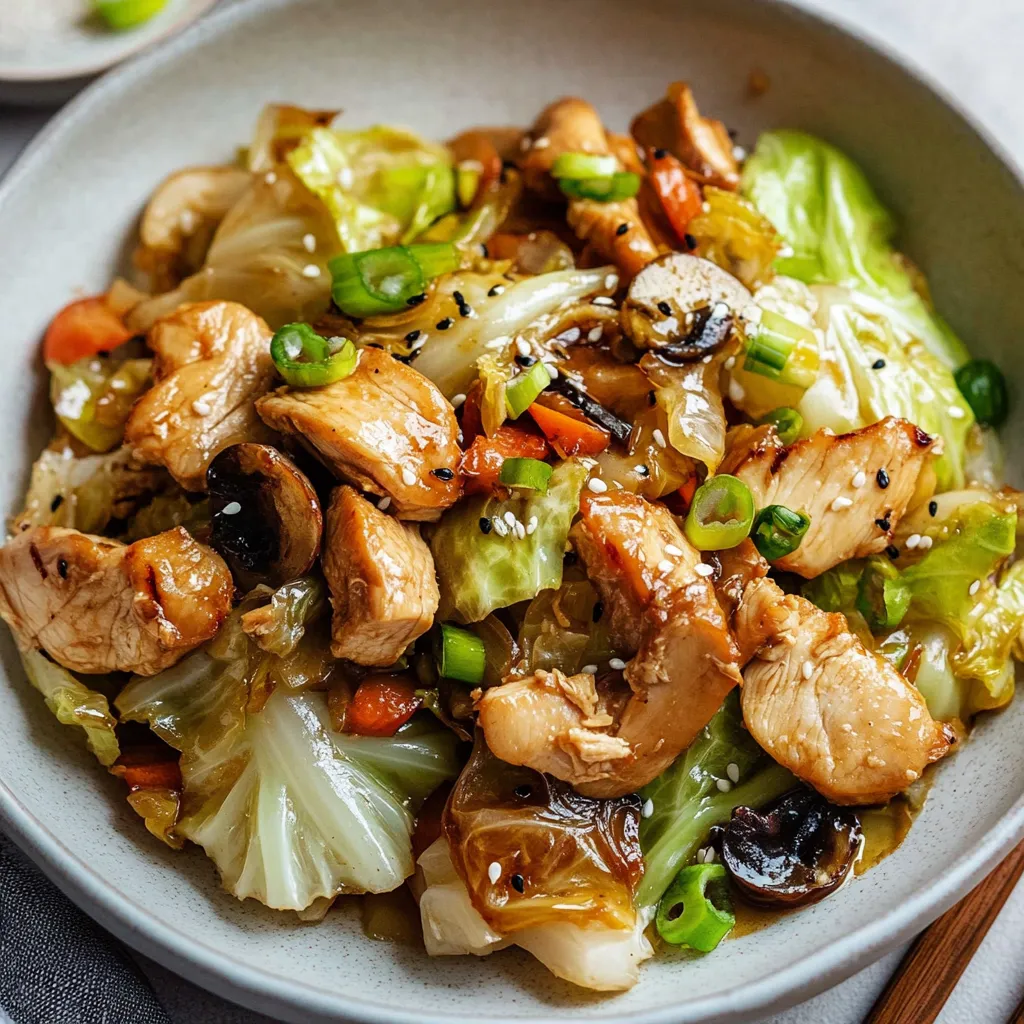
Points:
[(675, 302), (793, 853), (266, 515)]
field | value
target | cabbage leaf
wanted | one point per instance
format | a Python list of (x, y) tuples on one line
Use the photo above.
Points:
[(289, 810), (383, 186), (687, 801), (838, 232), (73, 703), (479, 572)]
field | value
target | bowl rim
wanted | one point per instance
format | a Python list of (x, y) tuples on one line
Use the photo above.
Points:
[(133, 44), (220, 972)]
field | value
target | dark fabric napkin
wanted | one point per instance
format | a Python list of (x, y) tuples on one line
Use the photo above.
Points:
[(56, 965)]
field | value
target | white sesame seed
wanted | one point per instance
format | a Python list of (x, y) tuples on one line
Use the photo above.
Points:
[(499, 527), (309, 241), (730, 362), (648, 808), (201, 408), (510, 519), (408, 476), (807, 669), (497, 290), (383, 504), (597, 485), (703, 569), (531, 525), (709, 854), (270, 177), (522, 346), (616, 664), (841, 503), (926, 543), (701, 854), (569, 336), (665, 565), (671, 549), (732, 769), (589, 670), (494, 871), (860, 478), (974, 588), (724, 785), (542, 143), (739, 153), (956, 412), (641, 469), (520, 530), (232, 508), (602, 300), (611, 281), (912, 541), (552, 370), (659, 438), (594, 334), (457, 400), (310, 270), (736, 391)]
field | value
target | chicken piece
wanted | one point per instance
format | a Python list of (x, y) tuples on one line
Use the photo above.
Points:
[(660, 599), (96, 605), (854, 486), (212, 363), (835, 714), (381, 576), (385, 428), (702, 143), (572, 126)]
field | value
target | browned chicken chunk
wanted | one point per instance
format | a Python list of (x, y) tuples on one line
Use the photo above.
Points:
[(835, 714), (572, 126), (95, 605), (382, 582), (385, 427), (212, 362), (855, 487), (661, 599)]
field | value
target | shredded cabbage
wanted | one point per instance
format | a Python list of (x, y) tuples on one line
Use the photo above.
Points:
[(479, 572), (73, 703), (289, 810)]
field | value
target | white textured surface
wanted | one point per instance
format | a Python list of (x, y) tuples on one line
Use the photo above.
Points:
[(973, 50)]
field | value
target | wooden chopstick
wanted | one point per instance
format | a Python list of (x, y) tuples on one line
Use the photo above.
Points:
[(1018, 1014), (933, 964)]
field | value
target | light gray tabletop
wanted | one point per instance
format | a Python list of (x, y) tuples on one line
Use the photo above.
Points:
[(973, 48)]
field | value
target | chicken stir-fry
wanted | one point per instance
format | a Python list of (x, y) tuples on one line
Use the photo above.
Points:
[(529, 517)]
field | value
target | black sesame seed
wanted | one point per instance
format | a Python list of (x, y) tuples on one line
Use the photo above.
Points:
[(643, 470), (878, 364), (571, 558), (518, 883), (884, 524), (598, 610), (62, 568), (415, 300), (444, 473), (103, 354), (933, 508), (465, 309), (494, 290), (652, 398), (621, 229), (375, 344), (892, 551), (883, 479), (486, 252), (526, 360), (485, 524), (443, 325), (57, 502), (660, 154), (690, 240), (664, 307), (523, 792), (412, 336)]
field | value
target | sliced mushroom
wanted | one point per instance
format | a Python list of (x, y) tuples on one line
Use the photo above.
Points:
[(683, 306), (793, 853), (266, 515)]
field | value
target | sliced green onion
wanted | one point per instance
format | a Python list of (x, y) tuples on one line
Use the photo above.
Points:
[(467, 181), (721, 514), (787, 422), (983, 386), (530, 473), (522, 391), (778, 531), (583, 165), (782, 350), (696, 911), (621, 185), (383, 280), (460, 654), (122, 14), (306, 360), (882, 595)]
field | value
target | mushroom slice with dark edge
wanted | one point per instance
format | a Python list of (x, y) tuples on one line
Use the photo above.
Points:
[(266, 516), (682, 305), (795, 852)]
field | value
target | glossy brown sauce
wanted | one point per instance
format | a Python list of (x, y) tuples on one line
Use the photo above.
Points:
[(391, 917)]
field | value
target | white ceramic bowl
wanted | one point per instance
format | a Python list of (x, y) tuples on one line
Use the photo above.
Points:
[(66, 214)]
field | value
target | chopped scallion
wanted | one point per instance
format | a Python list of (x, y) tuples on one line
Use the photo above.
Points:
[(696, 911), (787, 422), (583, 165), (529, 473), (782, 350), (778, 531), (124, 14), (721, 514), (522, 391), (306, 360), (616, 187), (460, 654)]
